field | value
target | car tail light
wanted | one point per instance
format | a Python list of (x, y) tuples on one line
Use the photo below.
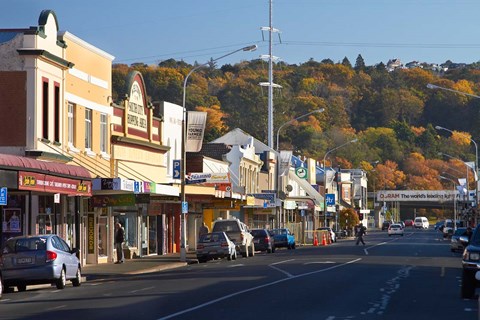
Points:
[(51, 256), (267, 239), (200, 246), (224, 244), (241, 237)]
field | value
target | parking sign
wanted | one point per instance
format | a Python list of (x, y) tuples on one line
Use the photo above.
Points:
[(3, 196), (176, 169)]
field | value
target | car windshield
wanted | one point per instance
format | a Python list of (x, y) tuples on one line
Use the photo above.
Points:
[(279, 231), (258, 233), (25, 244), (460, 231), (449, 224), (212, 237), (226, 226)]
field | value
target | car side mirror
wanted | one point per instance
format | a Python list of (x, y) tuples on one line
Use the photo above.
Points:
[(463, 240)]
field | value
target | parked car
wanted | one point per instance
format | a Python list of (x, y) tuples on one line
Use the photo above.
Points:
[(239, 233), (395, 229), (215, 245), (283, 238), (263, 240), (470, 264), (39, 259), (439, 224), (455, 244), (447, 229), (386, 224), (333, 237), (408, 223)]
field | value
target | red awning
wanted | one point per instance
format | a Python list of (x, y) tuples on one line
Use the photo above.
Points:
[(13, 162)]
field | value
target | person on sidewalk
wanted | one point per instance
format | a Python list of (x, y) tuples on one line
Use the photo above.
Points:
[(119, 239), (360, 233), (203, 230)]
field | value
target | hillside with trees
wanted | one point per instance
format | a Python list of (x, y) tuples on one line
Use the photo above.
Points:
[(393, 114)]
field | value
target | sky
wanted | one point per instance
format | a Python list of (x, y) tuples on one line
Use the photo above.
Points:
[(151, 31)]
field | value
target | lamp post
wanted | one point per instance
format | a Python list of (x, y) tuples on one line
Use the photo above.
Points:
[(295, 119), (325, 178), (474, 143), (454, 202), (183, 223), (467, 166)]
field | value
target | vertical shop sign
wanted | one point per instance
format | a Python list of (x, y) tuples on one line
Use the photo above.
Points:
[(91, 233)]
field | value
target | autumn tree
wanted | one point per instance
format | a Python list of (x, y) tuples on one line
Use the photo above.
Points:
[(215, 126)]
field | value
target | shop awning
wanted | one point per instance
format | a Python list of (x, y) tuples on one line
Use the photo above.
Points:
[(13, 162), (317, 197)]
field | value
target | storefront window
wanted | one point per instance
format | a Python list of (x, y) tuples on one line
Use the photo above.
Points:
[(102, 236), (129, 223), (45, 217), (152, 234)]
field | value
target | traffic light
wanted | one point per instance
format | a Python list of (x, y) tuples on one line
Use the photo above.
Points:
[(360, 216)]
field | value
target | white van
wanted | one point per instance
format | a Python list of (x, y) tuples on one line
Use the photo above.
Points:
[(421, 222)]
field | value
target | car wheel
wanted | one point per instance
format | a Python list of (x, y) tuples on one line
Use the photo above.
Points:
[(468, 285), (61, 282), (293, 245), (78, 279), (273, 249), (202, 260), (21, 287)]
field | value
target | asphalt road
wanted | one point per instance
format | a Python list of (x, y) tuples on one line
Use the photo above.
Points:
[(410, 277)]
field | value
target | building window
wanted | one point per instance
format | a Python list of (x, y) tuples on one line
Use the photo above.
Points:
[(103, 133), (88, 129), (45, 108), (57, 116), (71, 124)]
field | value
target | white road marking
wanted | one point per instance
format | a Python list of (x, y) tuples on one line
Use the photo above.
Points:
[(55, 308), (143, 289), (319, 262), (255, 288), (236, 265)]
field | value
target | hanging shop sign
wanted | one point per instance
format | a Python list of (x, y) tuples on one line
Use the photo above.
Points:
[(45, 183)]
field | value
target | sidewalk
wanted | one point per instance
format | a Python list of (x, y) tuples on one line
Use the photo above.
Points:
[(136, 266)]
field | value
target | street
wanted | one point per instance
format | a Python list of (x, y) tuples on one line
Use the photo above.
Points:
[(414, 276)]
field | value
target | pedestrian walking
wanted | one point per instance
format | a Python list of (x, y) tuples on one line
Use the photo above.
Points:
[(360, 233), (203, 229), (119, 239)]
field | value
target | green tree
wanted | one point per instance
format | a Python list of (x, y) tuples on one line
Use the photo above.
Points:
[(359, 63)]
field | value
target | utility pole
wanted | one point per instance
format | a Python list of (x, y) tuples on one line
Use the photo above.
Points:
[(270, 83)]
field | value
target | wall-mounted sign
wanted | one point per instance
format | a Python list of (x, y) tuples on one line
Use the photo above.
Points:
[(91, 233), (46, 183)]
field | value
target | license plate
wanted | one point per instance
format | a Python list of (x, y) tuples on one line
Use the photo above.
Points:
[(24, 260)]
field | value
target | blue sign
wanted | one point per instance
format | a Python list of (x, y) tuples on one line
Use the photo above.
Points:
[(330, 199), (184, 207), (176, 169), (3, 196)]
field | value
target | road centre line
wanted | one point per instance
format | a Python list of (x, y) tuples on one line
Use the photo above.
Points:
[(256, 288)]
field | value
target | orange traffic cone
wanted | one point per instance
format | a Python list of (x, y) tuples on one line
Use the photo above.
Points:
[(315, 240), (324, 240)]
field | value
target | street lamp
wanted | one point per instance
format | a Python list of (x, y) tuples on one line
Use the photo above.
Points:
[(433, 86), (291, 121), (183, 224), (466, 165), (325, 178), (454, 202), (476, 153)]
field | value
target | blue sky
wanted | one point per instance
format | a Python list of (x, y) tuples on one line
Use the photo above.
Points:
[(150, 31)]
